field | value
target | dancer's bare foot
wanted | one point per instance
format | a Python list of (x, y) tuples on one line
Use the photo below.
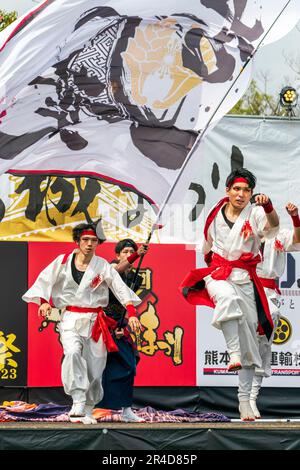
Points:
[(246, 412), (255, 409)]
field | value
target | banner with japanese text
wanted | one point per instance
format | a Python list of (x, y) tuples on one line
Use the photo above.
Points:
[(13, 315), (166, 344), (119, 94)]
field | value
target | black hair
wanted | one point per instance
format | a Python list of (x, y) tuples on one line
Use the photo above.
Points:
[(124, 243), (77, 231), (241, 173)]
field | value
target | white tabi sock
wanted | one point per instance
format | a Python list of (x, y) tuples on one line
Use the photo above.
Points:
[(255, 388), (86, 417), (129, 416), (245, 384), (77, 409), (246, 376), (256, 385)]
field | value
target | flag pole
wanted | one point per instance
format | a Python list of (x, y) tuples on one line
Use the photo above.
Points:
[(132, 286), (203, 133), (196, 144), (198, 140)]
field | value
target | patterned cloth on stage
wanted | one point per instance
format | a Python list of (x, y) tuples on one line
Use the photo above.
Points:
[(22, 411)]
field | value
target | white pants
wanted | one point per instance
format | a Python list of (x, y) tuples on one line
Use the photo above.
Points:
[(255, 387), (83, 365), (246, 377), (235, 305)]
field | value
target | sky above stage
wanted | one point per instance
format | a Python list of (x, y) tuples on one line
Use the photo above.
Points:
[(269, 61)]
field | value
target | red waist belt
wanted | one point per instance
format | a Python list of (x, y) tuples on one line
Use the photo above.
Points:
[(193, 285), (101, 325), (270, 284)]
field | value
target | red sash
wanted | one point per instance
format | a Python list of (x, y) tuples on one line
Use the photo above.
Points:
[(193, 285), (270, 284), (101, 325)]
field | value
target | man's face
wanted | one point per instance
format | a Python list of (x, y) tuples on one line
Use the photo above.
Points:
[(88, 244), (123, 255), (239, 195)]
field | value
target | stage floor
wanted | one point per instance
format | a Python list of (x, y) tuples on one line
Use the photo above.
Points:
[(264, 424), (266, 435)]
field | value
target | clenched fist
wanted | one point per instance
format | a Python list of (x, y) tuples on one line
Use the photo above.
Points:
[(292, 210), (44, 310), (261, 199)]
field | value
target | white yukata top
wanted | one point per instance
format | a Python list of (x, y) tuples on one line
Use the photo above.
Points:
[(273, 263), (231, 243)]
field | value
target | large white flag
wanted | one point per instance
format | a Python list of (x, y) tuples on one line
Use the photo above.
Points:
[(119, 90)]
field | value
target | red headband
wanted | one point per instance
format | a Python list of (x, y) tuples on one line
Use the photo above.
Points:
[(89, 232), (239, 180)]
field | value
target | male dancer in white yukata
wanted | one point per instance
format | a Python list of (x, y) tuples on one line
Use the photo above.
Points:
[(233, 233), (79, 283), (271, 268)]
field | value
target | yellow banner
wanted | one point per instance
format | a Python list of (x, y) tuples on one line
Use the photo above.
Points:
[(46, 208)]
